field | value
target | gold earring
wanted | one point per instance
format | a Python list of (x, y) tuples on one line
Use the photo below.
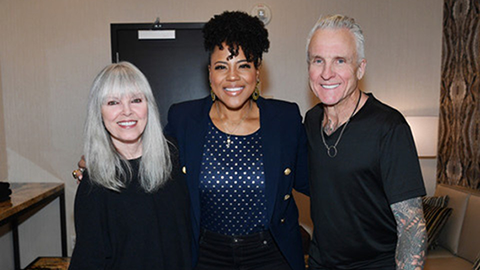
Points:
[(212, 95), (256, 92)]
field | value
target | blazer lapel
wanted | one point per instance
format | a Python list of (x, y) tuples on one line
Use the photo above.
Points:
[(195, 136), (271, 152)]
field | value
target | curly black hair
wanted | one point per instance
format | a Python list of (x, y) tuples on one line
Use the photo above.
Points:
[(237, 29)]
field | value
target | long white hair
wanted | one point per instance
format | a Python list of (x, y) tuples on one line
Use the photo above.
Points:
[(105, 164)]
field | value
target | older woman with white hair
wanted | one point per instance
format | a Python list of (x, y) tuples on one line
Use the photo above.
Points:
[(132, 207)]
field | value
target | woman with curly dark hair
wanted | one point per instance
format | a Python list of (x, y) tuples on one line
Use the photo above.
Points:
[(242, 156)]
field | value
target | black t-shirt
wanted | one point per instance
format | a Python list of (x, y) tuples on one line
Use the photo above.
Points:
[(133, 229), (376, 166)]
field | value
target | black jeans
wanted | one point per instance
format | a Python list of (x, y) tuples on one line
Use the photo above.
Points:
[(250, 252)]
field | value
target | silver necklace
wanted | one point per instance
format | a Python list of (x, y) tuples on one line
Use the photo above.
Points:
[(229, 133), (332, 149)]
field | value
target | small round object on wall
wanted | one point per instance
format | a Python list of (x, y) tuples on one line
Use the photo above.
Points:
[(263, 12)]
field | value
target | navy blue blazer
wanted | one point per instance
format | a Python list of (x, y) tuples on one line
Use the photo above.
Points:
[(284, 144)]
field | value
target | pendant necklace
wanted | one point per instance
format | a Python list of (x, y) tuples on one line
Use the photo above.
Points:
[(332, 149), (229, 133)]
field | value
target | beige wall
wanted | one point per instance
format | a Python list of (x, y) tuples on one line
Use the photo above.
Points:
[(50, 50), (3, 149)]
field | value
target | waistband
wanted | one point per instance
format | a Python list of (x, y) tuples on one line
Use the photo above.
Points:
[(250, 238)]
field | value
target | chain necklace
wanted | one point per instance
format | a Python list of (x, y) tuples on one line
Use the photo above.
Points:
[(229, 133), (332, 149)]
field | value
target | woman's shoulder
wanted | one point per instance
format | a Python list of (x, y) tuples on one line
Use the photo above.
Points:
[(89, 189), (186, 110), (190, 105), (279, 106)]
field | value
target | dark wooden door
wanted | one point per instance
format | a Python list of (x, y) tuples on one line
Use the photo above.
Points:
[(175, 67)]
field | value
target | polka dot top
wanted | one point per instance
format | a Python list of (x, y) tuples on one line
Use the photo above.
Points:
[(232, 184)]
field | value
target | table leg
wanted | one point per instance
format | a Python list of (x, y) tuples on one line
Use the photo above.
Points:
[(16, 246), (63, 224)]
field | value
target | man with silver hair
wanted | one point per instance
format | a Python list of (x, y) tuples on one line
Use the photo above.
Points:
[(366, 183)]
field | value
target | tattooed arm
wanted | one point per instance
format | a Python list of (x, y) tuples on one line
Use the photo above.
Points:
[(412, 234)]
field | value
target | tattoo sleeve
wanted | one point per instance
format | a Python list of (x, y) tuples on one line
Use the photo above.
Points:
[(412, 234)]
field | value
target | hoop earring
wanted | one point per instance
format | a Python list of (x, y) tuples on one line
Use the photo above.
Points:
[(256, 93), (212, 95)]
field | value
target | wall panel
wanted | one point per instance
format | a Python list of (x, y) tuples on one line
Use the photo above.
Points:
[(459, 138)]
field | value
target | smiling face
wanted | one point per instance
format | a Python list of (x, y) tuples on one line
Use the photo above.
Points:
[(232, 80), (333, 66), (125, 118)]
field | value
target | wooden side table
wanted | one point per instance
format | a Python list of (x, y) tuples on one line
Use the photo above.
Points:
[(51, 263), (26, 196)]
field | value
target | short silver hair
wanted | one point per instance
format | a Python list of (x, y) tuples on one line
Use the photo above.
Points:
[(105, 164), (340, 22)]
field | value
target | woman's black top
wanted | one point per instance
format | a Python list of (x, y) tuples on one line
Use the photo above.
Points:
[(133, 229)]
